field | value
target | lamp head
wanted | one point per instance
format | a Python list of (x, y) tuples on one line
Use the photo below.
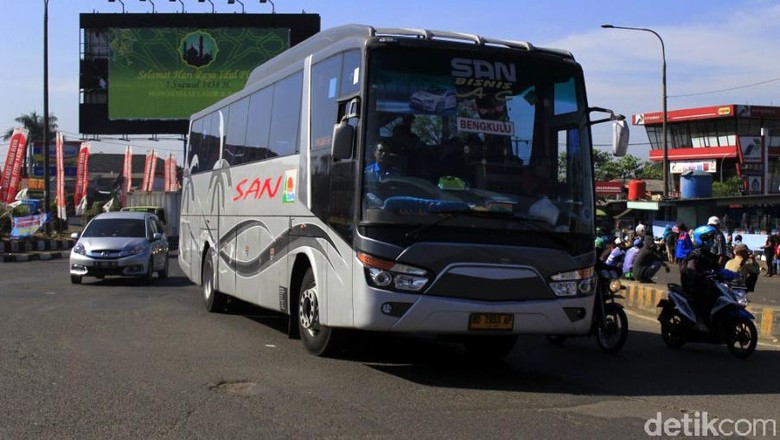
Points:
[(607, 26)]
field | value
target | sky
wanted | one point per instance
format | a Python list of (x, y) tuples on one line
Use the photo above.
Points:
[(717, 51)]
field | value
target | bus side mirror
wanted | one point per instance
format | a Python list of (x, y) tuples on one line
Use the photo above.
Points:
[(344, 132), (619, 137), (343, 140)]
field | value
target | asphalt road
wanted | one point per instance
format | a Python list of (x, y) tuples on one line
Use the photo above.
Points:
[(120, 360)]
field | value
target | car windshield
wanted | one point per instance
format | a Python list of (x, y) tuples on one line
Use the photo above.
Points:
[(494, 135), (115, 228)]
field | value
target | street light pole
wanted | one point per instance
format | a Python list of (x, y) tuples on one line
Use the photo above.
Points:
[(46, 197), (663, 92)]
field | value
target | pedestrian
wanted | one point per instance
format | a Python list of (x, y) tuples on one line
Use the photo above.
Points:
[(777, 253), (744, 263), (670, 240), (647, 263), (616, 256), (684, 244), (628, 260), (719, 241), (769, 253)]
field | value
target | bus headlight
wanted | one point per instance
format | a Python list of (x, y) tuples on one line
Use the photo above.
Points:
[(572, 283), (390, 275)]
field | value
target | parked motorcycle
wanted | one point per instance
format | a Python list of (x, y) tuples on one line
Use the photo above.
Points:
[(610, 323), (730, 323)]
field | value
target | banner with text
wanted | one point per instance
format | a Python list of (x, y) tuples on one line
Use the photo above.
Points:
[(12, 170), (170, 73), (82, 174)]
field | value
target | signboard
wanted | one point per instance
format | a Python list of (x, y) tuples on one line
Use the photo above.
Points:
[(606, 189), (680, 167), (750, 148), (755, 184), (70, 154), (171, 73)]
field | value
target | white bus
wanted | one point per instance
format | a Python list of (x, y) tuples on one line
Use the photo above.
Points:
[(399, 180)]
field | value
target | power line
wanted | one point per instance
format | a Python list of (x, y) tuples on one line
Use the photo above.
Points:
[(726, 90)]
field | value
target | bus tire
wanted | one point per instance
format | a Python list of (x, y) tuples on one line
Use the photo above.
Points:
[(318, 339), (215, 301)]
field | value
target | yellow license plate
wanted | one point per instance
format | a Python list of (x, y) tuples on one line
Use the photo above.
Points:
[(491, 321)]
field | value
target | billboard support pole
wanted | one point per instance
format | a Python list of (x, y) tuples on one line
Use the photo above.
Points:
[(46, 196)]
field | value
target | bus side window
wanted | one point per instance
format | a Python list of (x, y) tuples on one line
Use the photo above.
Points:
[(325, 75), (286, 115)]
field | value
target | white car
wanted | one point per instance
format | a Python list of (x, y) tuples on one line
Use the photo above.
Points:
[(437, 100), (130, 244)]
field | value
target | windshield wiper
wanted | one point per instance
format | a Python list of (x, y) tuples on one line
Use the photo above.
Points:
[(412, 235)]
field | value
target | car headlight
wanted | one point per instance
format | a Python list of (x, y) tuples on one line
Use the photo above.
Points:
[(575, 282), (80, 249), (135, 249), (390, 275)]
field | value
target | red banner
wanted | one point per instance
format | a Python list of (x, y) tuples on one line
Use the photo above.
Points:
[(82, 174), (12, 171), (127, 172), (61, 212), (170, 174), (149, 171)]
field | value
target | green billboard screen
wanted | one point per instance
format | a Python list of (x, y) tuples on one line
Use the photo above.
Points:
[(170, 73)]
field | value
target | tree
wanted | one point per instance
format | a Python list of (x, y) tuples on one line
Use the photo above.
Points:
[(33, 122)]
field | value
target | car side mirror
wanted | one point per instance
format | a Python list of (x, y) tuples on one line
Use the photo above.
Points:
[(74, 235), (157, 236)]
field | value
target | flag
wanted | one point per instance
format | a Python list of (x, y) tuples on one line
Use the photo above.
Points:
[(61, 211), (82, 174), (170, 174), (82, 206), (127, 172), (150, 168), (107, 206), (12, 171)]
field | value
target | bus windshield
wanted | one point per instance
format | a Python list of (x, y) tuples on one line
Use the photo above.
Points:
[(491, 139)]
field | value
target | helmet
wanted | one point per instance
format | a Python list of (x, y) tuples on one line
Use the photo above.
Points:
[(703, 236)]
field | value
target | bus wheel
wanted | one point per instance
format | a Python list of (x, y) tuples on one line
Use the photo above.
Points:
[(318, 339), (215, 301)]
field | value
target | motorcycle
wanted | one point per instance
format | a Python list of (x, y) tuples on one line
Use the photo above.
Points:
[(610, 323), (730, 323)]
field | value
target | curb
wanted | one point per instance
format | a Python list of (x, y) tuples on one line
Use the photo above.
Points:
[(34, 249), (17, 258), (644, 297)]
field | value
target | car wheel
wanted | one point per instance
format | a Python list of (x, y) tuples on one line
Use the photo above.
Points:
[(75, 279), (318, 339), (215, 301), (163, 274)]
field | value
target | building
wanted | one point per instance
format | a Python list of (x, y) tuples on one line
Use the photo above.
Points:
[(725, 140)]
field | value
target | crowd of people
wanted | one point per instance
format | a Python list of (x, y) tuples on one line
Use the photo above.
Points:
[(640, 256)]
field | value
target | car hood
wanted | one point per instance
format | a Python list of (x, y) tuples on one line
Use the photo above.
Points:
[(111, 243)]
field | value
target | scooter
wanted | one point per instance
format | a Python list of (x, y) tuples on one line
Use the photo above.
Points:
[(610, 323), (730, 322)]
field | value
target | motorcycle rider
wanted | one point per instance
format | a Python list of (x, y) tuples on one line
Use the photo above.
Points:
[(695, 269)]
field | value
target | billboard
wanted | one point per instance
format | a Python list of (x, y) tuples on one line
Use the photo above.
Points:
[(171, 73), (147, 73)]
